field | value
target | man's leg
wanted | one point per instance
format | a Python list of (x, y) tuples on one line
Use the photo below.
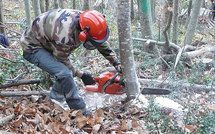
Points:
[(65, 84)]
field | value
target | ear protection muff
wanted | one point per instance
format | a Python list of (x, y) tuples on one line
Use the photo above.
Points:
[(83, 34)]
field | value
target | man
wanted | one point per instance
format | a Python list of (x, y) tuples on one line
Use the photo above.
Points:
[(53, 36)]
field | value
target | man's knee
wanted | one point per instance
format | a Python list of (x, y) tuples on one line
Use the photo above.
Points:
[(64, 74)]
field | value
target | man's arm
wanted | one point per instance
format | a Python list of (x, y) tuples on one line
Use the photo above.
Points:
[(108, 53)]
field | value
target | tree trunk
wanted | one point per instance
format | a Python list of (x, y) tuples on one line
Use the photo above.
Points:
[(28, 12), (146, 22), (175, 22), (61, 5), (169, 4), (1, 17), (86, 5), (188, 13), (126, 49), (47, 4), (36, 7), (74, 4), (42, 6), (193, 21), (132, 9), (153, 9), (56, 4), (139, 9)]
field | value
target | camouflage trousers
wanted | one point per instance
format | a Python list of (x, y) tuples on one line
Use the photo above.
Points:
[(64, 87)]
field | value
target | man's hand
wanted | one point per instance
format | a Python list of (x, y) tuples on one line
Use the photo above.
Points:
[(87, 79), (117, 66)]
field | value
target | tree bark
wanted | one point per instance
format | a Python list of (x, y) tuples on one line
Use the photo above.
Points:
[(20, 82), (6, 119), (193, 22), (28, 12), (42, 6), (74, 4), (36, 7), (23, 93), (126, 49), (188, 13), (169, 4), (175, 22), (146, 22), (47, 4), (1, 17), (56, 4), (132, 9), (86, 5), (61, 5)]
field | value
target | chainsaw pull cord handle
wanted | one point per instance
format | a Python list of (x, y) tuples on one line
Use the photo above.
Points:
[(109, 82)]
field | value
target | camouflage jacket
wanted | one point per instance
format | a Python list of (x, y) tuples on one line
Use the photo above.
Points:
[(56, 31)]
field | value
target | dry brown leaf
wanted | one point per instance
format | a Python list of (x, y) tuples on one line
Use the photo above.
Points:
[(37, 119), (17, 122), (44, 108), (55, 126), (99, 119), (65, 116), (124, 125), (191, 128), (17, 110), (134, 123), (99, 113), (81, 121)]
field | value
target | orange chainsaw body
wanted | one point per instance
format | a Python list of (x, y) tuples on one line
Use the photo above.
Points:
[(103, 86)]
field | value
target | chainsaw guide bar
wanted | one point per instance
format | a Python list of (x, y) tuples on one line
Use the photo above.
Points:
[(112, 83)]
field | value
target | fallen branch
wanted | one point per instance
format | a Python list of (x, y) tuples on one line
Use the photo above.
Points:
[(5, 132), (195, 87), (20, 82), (23, 93), (6, 119), (160, 43), (199, 52)]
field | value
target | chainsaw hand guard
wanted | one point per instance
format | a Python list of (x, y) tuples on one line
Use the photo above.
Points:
[(87, 79)]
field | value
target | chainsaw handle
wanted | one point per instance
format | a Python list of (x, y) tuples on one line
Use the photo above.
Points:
[(109, 82)]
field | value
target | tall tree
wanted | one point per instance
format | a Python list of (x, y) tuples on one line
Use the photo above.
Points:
[(36, 7), (146, 21), (175, 22), (56, 4), (126, 49), (61, 4), (193, 21), (1, 17), (47, 4), (188, 13), (73, 4), (86, 5), (168, 4), (42, 6), (132, 9), (28, 12)]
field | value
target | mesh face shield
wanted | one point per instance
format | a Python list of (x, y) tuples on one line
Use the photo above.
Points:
[(92, 44)]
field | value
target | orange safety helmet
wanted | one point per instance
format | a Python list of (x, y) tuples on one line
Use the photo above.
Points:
[(94, 27)]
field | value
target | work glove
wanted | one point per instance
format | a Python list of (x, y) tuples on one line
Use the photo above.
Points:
[(87, 79), (117, 66)]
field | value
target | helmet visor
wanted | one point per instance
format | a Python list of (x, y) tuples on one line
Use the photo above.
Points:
[(92, 44)]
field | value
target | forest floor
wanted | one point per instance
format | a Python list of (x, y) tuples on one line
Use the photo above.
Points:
[(185, 110)]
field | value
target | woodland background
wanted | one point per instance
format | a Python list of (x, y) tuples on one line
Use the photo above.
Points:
[(170, 45)]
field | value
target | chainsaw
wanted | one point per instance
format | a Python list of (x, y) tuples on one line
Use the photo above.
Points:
[(112, 83)]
